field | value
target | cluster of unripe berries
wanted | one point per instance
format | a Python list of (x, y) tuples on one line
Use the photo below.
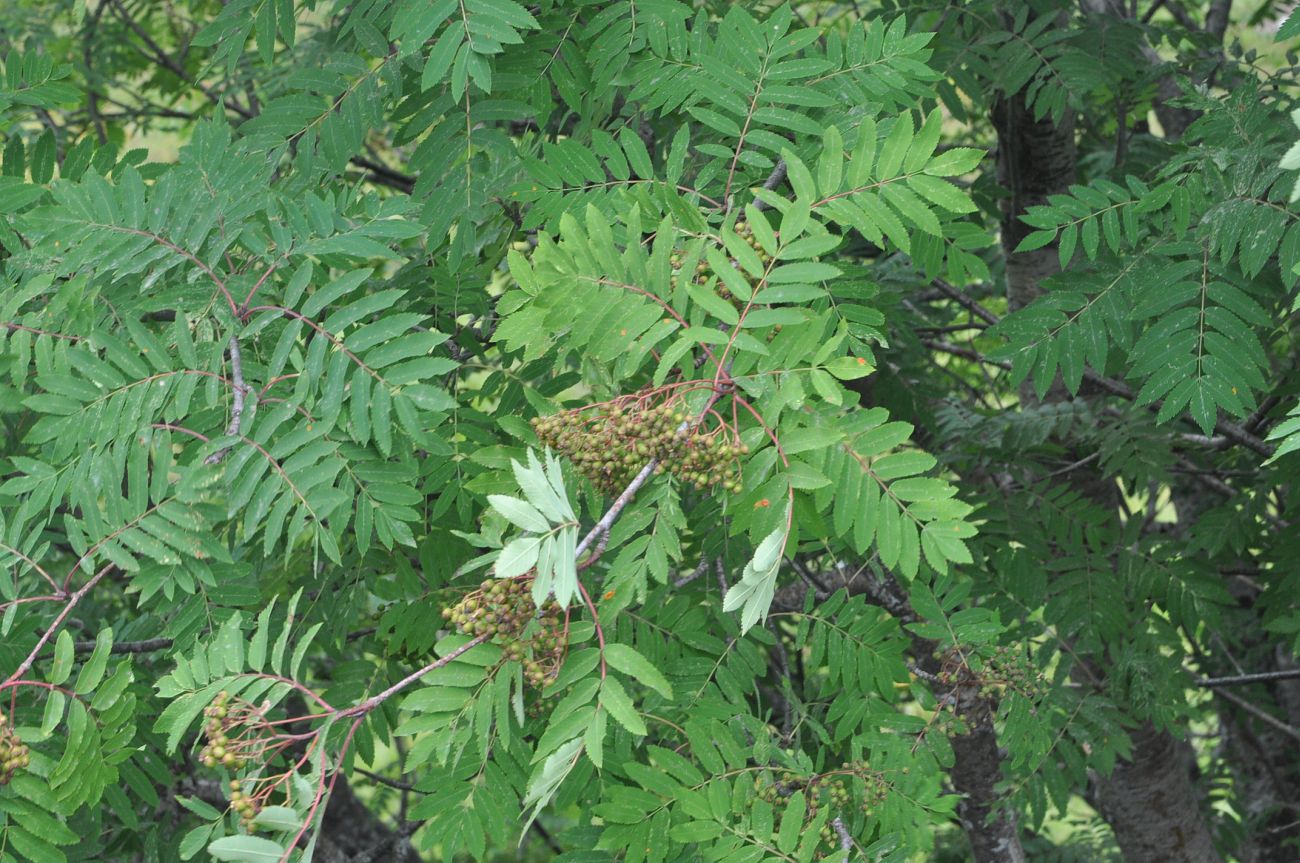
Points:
[(824, 790), (14, 755), (246, 806), (703, 271), (218, 750), (609, 445), (1006, 670), (1016, 671), (503, 610)]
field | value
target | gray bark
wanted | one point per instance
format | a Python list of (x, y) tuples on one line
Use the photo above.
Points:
[(1149, 802), (350, 831), (1151, 805), (993, 832)]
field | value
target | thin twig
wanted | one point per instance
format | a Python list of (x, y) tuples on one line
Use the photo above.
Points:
[(1208, 479), (235, 429), (1242, 679), (374, 701), (26, 664), (376, 172), (1152, 10), (149, 645), (1076, 465), (691, 576), (1258, 713), (773, 180), (384, 780), (595, 552), (1230, 430), (964, 352), (966, 302), (846, 841)]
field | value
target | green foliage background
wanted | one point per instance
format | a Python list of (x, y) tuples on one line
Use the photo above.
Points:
[(266, 414)]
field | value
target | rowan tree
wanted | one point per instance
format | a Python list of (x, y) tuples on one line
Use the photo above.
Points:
[(671, 430)]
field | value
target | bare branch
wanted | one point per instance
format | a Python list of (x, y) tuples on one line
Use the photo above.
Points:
[(237, 406), (620, 503), (773, 180), (147, 646), (846, 841), (374, 701), (26, 664), (1258, 713), (1243, 679)]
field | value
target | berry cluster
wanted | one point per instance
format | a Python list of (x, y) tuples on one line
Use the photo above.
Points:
[(1007, 670), (825, 790), (1016, 672), (219, 749), (246, 806), (14, 755), (503, 609), (703, 271), (610, 443)]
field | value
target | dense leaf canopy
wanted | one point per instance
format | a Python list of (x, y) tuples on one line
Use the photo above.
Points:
[(648, 430)]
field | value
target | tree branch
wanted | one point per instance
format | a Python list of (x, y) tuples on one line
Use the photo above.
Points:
[(235, 429), (375, 700), (1260, 714), (147, 646), (26, 664), (1243, 679), (773, 180)]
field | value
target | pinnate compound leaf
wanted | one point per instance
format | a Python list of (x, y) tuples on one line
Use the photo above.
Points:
[(626, 659)]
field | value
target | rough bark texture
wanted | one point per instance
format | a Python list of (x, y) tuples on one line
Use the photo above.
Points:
[(1036, 158), (351, 832), (993, 833), (1150, 802), (1151, 805)]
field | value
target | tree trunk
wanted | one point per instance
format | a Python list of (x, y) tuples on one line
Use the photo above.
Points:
[(351, 832), (1036, 158), (1150, 802), (1151, 805), (993, 833)]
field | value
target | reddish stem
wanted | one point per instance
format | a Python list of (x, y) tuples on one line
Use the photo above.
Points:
[(26, 664), (182, 430), (39, 684), (595, 618), (253, 290), (322, 790), (296, 685), (10, 325)]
